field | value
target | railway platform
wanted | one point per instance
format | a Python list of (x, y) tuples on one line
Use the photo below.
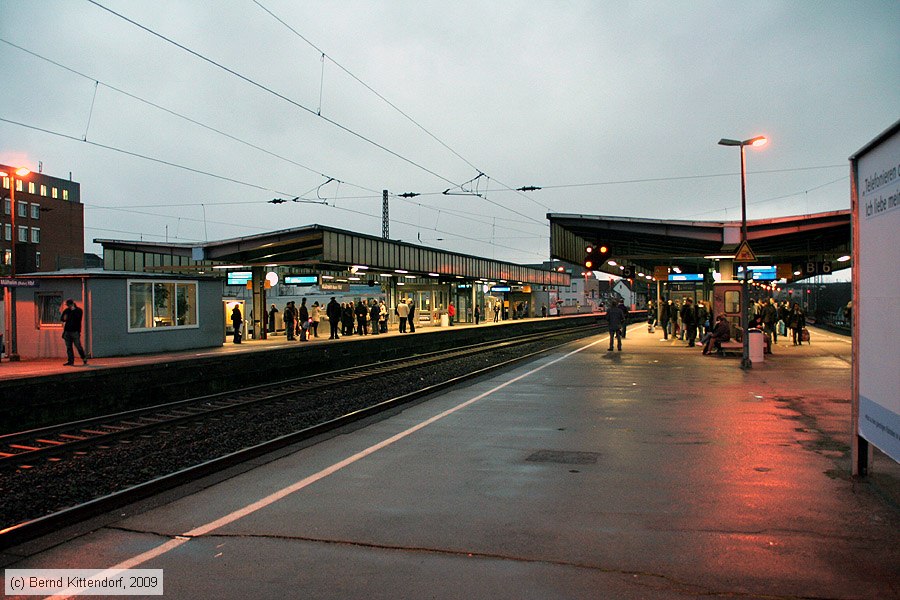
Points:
[(654, 472)]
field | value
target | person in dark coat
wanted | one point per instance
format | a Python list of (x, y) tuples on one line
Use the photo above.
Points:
[(796, 322), (720, 333), (272, 312), (71, 317), (303, 320), (664, 315), (689, 320), (374, 314), (624, 310), (347, 318), (290, 320), (333, 312), (769, 316), (362, 318), (411, 317), (616, 321), (236, 321)]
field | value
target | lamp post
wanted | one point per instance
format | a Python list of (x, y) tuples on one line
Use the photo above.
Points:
[(21, 172), (745, 319)]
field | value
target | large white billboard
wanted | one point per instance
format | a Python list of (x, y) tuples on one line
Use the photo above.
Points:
[(877, 304)]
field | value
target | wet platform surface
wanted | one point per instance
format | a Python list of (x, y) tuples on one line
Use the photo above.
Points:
[(654, 472)]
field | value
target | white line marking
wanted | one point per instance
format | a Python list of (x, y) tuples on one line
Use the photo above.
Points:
[(299, 485)]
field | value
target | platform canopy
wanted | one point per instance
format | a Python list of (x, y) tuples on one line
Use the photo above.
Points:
[(316, 248), (694, 246)]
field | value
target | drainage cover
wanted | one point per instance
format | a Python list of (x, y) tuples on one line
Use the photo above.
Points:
[(564, 457)]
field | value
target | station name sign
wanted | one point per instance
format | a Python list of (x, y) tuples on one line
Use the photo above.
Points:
[(10, 282)]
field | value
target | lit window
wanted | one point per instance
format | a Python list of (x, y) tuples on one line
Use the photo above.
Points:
[(6, 183), (54, 192), (35, 235), (31, 187), (43, 190), (23, 234), (37, 260), (35, 211), (19, 187), (7, 257), (22, 209), (169, 304), (65, 194)]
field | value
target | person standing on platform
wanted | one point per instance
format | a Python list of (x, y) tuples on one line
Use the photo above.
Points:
[(333, 312), (347, 318), (689, 321), (272, 312), (303, 324), (477, 314), (624, 310), (362, 317), (382, 317), (315, 315), (374, 313), (496, 312), (451, 313), (796, 322), (402, 312), (770, 319), (290, 320), (665, 313), (71, 317), (616, 321), (411, 319), (236, 322)]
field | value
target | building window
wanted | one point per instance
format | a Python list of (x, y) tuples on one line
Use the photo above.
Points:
[(7, 257), (37, 260), (7, 232), (6, 183), (23, 234), (48, 309), (6, 207), (22, 209), (54, 192), (170, 304), (35, 235), (19, 186), (31, 187), (35, 211), (43, 190), (65, 194)]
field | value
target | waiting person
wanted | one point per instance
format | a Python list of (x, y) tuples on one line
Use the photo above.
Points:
[(665, 313), (477, 314), (290, 320), (272, 312), (624, 310), (543, 310), (71, 317), (347, 318), (616, 321), (236, 322), (411, 319), (720, 333), (769, 315), (651, 317), (451, 313), (703, 317), (689, 320), (382, 317), (497, 312), (796, 322), (303, 321), (333, 312), (402, 312), (362, 317), (315, 315), (374, 314)]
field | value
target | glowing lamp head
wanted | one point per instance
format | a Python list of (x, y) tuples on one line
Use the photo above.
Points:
[(759, 141)]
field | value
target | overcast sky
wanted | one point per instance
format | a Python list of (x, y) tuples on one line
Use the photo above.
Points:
[(613, 108)]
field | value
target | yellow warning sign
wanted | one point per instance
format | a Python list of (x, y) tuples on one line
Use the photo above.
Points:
[(744, 254)]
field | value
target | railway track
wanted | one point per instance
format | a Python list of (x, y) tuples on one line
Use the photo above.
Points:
[(34, 449)]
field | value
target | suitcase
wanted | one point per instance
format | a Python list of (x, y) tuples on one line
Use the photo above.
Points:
[(804, 335)]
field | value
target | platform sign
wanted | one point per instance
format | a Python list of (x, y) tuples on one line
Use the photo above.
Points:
[(11, 282), (876, 301)]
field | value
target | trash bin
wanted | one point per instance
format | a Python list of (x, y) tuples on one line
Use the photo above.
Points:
[(757, 342), (445, 320)]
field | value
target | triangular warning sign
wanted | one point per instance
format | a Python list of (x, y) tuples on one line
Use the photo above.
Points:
[(744, 254)]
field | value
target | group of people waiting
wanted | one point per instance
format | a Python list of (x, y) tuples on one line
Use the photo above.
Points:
[(345, 318), (684, 321)]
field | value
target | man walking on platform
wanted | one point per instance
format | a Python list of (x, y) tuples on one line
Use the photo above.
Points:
[(616, 321), (71, 318)]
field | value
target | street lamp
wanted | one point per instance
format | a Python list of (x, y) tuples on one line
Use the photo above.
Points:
[(21, 172), (756, 141)]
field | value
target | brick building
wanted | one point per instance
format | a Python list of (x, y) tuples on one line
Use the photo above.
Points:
[(49, 232)]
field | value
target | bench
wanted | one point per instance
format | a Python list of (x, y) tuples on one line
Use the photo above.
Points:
[(732, 346)]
